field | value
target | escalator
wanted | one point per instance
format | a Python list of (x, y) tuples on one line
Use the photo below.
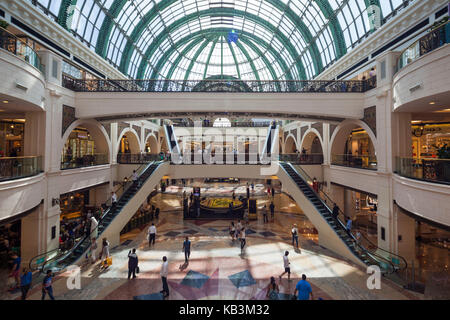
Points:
[(172, 144), (332, 232), (270, 143), (111, 223)]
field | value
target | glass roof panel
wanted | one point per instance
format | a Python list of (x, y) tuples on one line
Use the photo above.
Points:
[(135, 35)]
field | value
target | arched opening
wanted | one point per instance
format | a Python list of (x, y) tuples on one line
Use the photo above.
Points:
[(312, 144), (311, 148), (151, 145), (289, 145), (222, 123), (129, 143), (86, 145), (352, 146)]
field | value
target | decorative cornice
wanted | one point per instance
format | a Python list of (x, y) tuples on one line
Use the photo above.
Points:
[(31, 16), (407, 18)]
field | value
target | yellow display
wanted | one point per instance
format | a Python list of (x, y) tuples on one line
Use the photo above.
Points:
[(220, 203)]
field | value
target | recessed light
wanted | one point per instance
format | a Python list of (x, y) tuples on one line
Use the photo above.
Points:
[(432, 102), (5, 101)]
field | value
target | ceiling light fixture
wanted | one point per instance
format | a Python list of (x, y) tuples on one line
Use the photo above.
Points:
[(5, 101), (432, 102)]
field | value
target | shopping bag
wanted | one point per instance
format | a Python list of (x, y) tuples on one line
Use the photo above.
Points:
[(109, 261), (137, 269)]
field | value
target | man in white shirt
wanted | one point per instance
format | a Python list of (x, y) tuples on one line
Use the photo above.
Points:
[(135, 178), (242, 237), (151, 235), (287, 268), (164, 272), (113, 199)]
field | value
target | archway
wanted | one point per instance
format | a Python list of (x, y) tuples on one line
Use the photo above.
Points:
[(128, 142), (85, 143), (151, 144), (312, 142), (353, 144), (289, 145)]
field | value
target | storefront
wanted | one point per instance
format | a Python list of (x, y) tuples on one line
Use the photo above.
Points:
[(79, 148), (427, 138), (360, 147), (124, 146), (12, 137)]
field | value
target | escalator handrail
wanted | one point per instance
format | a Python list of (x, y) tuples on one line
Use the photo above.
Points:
[(372, 255), (65, 254), (362, 235)]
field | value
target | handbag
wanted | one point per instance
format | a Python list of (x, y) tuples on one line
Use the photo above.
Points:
[(137, 269)]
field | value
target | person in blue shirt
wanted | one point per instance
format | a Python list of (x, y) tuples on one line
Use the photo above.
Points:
[(303, 288), (187, 249), (25, 282), (15, 270), (47, 285)]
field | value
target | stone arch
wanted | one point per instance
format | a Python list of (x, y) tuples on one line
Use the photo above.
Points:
[(98, 133), (312, 142), (133, 137), (339, 138), (290, 144), (153, 143)]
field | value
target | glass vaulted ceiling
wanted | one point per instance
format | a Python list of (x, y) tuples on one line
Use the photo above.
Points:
[(168, 39)]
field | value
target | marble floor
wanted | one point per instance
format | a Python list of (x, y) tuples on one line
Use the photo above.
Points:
[(217, 269)]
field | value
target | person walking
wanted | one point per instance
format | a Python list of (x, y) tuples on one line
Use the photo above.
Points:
[(232, 231), (272, 211), (253, 187), (187, 249), (157, 213), (349, 225), (164, 273), (113, 199), (335, 212), (135, 178), (273, 192), (151, 234), (304, 289), (264, 211), (105, 253), (132, 263), (238, 230), (15, 270), (294, 232), (315, 185), (272, 289), (233, 195), (94, 229), (287, 268), (243, 240), (25, 282), (47, 286), (248, 191)]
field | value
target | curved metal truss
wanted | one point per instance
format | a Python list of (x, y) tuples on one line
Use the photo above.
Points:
[(173, 39)]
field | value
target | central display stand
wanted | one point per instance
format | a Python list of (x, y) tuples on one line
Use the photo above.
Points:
[(216, 208)]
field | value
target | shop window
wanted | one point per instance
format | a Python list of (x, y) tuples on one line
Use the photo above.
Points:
[(427, 138), (11, 138)]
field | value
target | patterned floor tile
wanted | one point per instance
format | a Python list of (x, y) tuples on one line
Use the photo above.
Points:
[(190, 231), (242, 279), (267, 234), (194, 279), (151, 296), (172, 234)]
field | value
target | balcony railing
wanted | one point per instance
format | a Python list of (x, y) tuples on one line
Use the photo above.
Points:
[(14, 45), (299, 158), (19, 167), (238, 124), (361, 162), (434, 39), (84, 161), (431, 170), (137, 158), (220, 85)]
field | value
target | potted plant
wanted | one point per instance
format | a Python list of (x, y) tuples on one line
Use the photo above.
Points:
[(4, 24)]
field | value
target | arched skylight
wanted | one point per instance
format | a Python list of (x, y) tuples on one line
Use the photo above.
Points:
[(189, 39)]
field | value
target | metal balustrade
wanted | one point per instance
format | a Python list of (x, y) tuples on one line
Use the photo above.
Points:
[(85, 161), (219, 85), (430, 170), (19, 167), (348, 160), (14, 45)]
